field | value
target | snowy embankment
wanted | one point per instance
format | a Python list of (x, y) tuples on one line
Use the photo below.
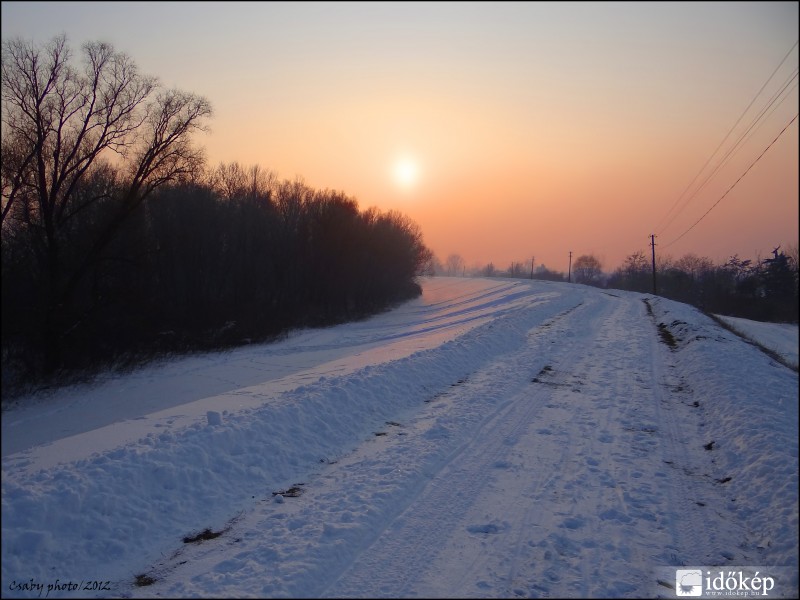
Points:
[(540, 433), (751, 416), (781, 338)]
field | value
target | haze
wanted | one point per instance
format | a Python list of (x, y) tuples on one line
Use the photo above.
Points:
[(505, 130)]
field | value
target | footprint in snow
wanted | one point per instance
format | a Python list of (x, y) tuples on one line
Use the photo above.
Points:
[(488, 528)]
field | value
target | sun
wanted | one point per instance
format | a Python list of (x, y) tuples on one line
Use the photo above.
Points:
[(405, 172)]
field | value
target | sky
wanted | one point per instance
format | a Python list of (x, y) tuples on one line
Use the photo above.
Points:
[(506, 131), (492, 438)]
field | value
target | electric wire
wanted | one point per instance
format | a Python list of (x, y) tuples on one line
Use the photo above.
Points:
[(691, 183), (734, 184), (754, 126), (751, 131)]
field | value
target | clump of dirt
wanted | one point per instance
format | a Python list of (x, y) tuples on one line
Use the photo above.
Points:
[(544, 371), (204, 535), (666, 336), (143, 580), (292, 492)]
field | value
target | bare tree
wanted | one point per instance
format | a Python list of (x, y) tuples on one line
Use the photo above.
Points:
[(587, 269), (516, 269), (693, 265), (636, 264), (434, 266), (61, 122), (455, 265), (232, 181), (634, 274)]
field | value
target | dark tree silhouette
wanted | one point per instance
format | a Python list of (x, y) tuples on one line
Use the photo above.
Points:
[(587, 269), (61, 123)]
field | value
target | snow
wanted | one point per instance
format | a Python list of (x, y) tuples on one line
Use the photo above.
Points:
[(781, 338), (492, 438)]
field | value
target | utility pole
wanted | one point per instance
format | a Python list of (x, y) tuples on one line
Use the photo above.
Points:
[(533, 258), (653, 244), (569, 272)]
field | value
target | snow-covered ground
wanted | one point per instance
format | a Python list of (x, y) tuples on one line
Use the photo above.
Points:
[(779, 337), (492, 438)]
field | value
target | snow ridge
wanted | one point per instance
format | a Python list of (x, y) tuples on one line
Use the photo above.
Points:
[(751, 418)]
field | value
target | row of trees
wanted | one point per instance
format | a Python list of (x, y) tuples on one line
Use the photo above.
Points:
[(761, 289), (118, 242), (455, 266)]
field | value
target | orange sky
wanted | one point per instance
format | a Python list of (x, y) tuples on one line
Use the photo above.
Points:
[(536, 128)]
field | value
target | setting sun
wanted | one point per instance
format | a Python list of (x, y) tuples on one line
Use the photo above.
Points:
[(490, 126), (406, 173)]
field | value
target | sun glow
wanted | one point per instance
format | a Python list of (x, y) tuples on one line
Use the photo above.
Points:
[(405, 173)]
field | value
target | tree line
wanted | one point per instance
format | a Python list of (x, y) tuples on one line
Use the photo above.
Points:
[(761, 289), (118, 243)]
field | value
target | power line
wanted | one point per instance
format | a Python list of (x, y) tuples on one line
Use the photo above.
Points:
[(691, 183), (737, 181), (748, 133), (752, 129)]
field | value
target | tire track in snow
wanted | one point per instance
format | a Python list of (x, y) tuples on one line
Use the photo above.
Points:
[(689, 530), (604, 445), (642, 513), (560, 378), (395, 564), (616, 486), (698, 536), (585, 485)]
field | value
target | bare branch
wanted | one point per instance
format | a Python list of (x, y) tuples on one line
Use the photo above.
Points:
[(167, 154), (58, 123)]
